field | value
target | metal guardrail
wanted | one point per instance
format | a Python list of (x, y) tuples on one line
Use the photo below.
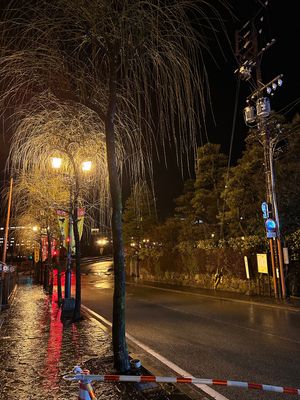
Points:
[(7, 268), (7, 283)]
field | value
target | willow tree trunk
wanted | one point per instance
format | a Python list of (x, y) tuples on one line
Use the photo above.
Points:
[(121, 359)]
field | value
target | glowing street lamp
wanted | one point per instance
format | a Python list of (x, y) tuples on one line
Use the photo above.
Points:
[(85, 166), (56, 162), (102, 243)]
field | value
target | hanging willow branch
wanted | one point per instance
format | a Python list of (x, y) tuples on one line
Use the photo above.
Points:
[(159, 48), (51, 129)]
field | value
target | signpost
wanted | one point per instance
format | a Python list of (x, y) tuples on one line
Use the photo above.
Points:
[(271, 228), (265, 210)]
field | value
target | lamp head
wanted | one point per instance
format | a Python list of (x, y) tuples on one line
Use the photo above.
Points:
[(56, 162), (86, 165)]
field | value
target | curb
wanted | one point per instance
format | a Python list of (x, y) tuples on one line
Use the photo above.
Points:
[(150, 390)]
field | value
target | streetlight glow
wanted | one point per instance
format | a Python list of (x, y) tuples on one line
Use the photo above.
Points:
[(102, 242), (56, 162), (86, 165)]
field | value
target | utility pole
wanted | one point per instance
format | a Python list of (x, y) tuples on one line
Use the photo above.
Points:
[(256, 113), (3, 283)]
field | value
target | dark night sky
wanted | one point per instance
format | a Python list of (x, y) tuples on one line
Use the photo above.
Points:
[(280, 58)]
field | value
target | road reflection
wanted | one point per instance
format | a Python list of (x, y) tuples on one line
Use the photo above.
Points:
[(99, 273)]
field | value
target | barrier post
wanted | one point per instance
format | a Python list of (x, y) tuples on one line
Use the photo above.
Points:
[(86, 391)]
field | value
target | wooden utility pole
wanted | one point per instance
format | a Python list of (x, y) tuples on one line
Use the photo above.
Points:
[(7, 222), (256, 113), (3, 285)]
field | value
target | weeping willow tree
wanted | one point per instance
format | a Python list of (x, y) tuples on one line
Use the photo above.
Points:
[(25, 238), (34, 213), (51, 129), (138, 65), (139, 215), (36, 216)]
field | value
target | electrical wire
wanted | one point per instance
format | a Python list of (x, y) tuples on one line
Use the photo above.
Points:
[(237, 94)]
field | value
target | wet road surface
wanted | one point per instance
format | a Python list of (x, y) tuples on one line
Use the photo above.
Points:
[(208, 337)]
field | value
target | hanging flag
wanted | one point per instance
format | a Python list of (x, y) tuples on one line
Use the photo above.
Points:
[(80, 221), (44, 241), (63, 222)]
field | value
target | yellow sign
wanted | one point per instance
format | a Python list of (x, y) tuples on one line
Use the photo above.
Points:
[(262, 263)]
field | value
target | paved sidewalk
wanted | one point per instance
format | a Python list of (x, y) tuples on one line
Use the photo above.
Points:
[(37, 349)]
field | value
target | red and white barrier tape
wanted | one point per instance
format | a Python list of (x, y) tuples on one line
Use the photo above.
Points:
[(165, 379)]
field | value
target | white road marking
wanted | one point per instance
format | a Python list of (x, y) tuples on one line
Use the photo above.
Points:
[(211, 392)]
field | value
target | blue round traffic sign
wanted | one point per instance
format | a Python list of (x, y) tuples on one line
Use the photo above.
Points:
[(270, 224)]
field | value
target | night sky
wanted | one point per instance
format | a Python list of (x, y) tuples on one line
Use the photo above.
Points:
[(281, 23), (280, 58)]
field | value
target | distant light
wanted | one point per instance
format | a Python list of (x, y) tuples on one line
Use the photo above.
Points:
[(86, 165), (56, 162), (274, 86), (279, 82), (269, 90), (102, 242)]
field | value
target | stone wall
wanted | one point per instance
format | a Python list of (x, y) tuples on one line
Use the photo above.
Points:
[(221, 269)]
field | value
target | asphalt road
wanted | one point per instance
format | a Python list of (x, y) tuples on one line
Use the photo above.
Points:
[(207, 337)]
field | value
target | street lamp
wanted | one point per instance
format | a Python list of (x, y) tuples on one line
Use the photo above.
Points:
[(102, 243), (85, 166)]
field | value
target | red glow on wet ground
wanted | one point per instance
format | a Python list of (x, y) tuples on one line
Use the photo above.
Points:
[(54, 344)]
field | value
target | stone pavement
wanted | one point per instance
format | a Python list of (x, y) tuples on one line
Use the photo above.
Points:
[(37, 349)]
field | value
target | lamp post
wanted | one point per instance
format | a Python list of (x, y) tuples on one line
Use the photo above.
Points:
[(73, 202)]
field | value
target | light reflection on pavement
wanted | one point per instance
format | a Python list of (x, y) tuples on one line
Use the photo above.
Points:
[(37, 349), (100, 274)]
